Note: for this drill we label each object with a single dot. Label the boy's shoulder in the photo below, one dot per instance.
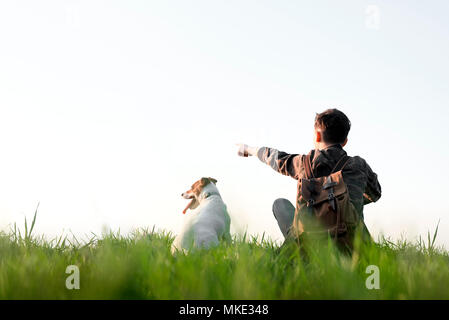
(358, 161)
(331, 156)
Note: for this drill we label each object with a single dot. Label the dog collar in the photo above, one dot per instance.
(208, 194)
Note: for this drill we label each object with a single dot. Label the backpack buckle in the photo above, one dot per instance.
(331, 198)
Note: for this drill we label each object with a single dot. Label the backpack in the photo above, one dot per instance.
(323, 205)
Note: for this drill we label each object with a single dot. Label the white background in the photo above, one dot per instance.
(109, 110)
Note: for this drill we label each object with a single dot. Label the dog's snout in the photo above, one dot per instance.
(187, 195)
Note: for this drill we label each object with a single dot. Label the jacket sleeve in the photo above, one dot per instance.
(282, 162)
(373, 190)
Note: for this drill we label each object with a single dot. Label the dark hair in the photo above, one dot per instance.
(334, 125)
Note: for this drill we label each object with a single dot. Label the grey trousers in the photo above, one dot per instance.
(284, 212)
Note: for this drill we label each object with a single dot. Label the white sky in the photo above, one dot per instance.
(110, 109)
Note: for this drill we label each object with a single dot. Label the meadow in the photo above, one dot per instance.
(140, 265)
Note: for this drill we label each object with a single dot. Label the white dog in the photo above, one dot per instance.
(208, 222)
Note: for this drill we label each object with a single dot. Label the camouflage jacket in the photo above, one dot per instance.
(361, 181)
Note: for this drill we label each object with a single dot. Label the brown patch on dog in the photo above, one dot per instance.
(200, 184)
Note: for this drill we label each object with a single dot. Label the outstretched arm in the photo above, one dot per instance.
(282, 162)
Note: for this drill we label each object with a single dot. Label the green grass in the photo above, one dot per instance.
(140, 266)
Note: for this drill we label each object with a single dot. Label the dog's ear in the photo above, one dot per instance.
(204, 181)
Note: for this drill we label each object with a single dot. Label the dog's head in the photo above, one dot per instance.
(194, 192)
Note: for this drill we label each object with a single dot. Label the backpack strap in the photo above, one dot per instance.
(341, 163)
(308, 167)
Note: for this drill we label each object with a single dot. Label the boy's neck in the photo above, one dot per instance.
(321, 146)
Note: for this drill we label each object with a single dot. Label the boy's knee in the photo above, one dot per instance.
(283, 211)
(279, 205)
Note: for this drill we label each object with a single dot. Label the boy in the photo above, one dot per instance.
(330, 136)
